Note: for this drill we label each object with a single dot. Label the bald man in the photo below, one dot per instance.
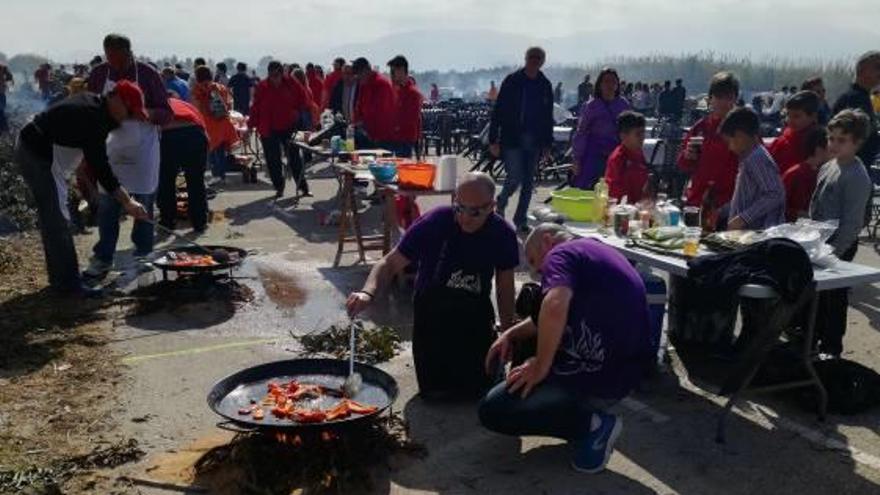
(859, 97)
(593, 343)
(458, 250)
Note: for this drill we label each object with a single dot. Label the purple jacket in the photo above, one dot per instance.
(150, 82)
(596, 138)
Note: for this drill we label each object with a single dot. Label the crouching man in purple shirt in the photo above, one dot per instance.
(592, 345)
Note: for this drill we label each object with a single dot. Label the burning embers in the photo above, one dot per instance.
(296, 440)
(203, 288)
(317, 460)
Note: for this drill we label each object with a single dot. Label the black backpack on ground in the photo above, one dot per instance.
(852, 388)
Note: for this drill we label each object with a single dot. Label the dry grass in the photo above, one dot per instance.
(57, 385)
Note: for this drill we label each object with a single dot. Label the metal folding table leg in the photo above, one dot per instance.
(746, 292)
(808, 357)
(720, 428)
(758, 292)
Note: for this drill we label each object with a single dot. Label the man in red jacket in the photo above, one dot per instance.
(316, 83)
(374, 110)
(802, 116)
(332, 80)
(711, 161)
(275, 114)
(408, 109)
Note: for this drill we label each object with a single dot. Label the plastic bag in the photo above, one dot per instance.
(811, 235)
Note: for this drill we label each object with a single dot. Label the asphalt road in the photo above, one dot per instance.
(667, 446)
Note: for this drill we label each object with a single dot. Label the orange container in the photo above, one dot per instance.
(416, 175)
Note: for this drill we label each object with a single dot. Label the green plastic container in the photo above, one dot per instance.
(577, 204)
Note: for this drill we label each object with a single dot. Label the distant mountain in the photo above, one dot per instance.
(440, 49)
(465, 49)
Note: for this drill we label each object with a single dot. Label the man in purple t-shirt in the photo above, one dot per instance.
(458, 250)
(593, 341)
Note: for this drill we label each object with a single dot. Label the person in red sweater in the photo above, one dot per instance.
(626, 172)
(711, 161)
(315, 83)
(800, 180)
(310, 119)
(279, 101)
(802, 116)
(374, 110)
(184, 147)
(331, 81)
(408, 109)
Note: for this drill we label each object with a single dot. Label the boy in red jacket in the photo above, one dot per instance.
(800, 180)
(802, 112)
(626, 172)
(408, 109)
(704, 153)
(374, 110)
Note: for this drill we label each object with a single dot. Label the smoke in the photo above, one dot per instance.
(23, 101)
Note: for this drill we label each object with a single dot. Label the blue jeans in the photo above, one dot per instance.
(108, 228)
(549, 410)
(521, 165)
(219, 162)
(400, 149)
(4, 124)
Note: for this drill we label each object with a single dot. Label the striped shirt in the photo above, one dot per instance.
(759, 197)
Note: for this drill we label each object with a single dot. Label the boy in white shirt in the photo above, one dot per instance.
(133, 153)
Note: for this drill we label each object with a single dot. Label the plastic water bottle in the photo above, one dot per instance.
(673, 213)
(661, 215)
(335, 145)
(601, 190)
(349, 138)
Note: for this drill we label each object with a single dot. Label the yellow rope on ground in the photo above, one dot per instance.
(196, 350)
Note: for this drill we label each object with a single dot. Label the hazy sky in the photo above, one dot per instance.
(247, 29)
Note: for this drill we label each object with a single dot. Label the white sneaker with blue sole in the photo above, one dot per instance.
(97, 269)
(595, 449)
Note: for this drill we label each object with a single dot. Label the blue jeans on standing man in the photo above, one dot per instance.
(521, 164)
(219, 160)
(109, 211)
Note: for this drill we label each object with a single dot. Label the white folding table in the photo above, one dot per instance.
(840, 276)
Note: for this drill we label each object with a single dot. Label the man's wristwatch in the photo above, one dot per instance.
(366, 293)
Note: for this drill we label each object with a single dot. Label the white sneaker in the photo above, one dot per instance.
(97, 269)
(142, 264)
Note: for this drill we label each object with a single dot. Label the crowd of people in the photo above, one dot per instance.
(649, 99)
(811, 170)
(586, 347)
(170, 121)
(588, 344)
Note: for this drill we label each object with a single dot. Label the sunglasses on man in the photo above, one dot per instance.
(472, 211)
